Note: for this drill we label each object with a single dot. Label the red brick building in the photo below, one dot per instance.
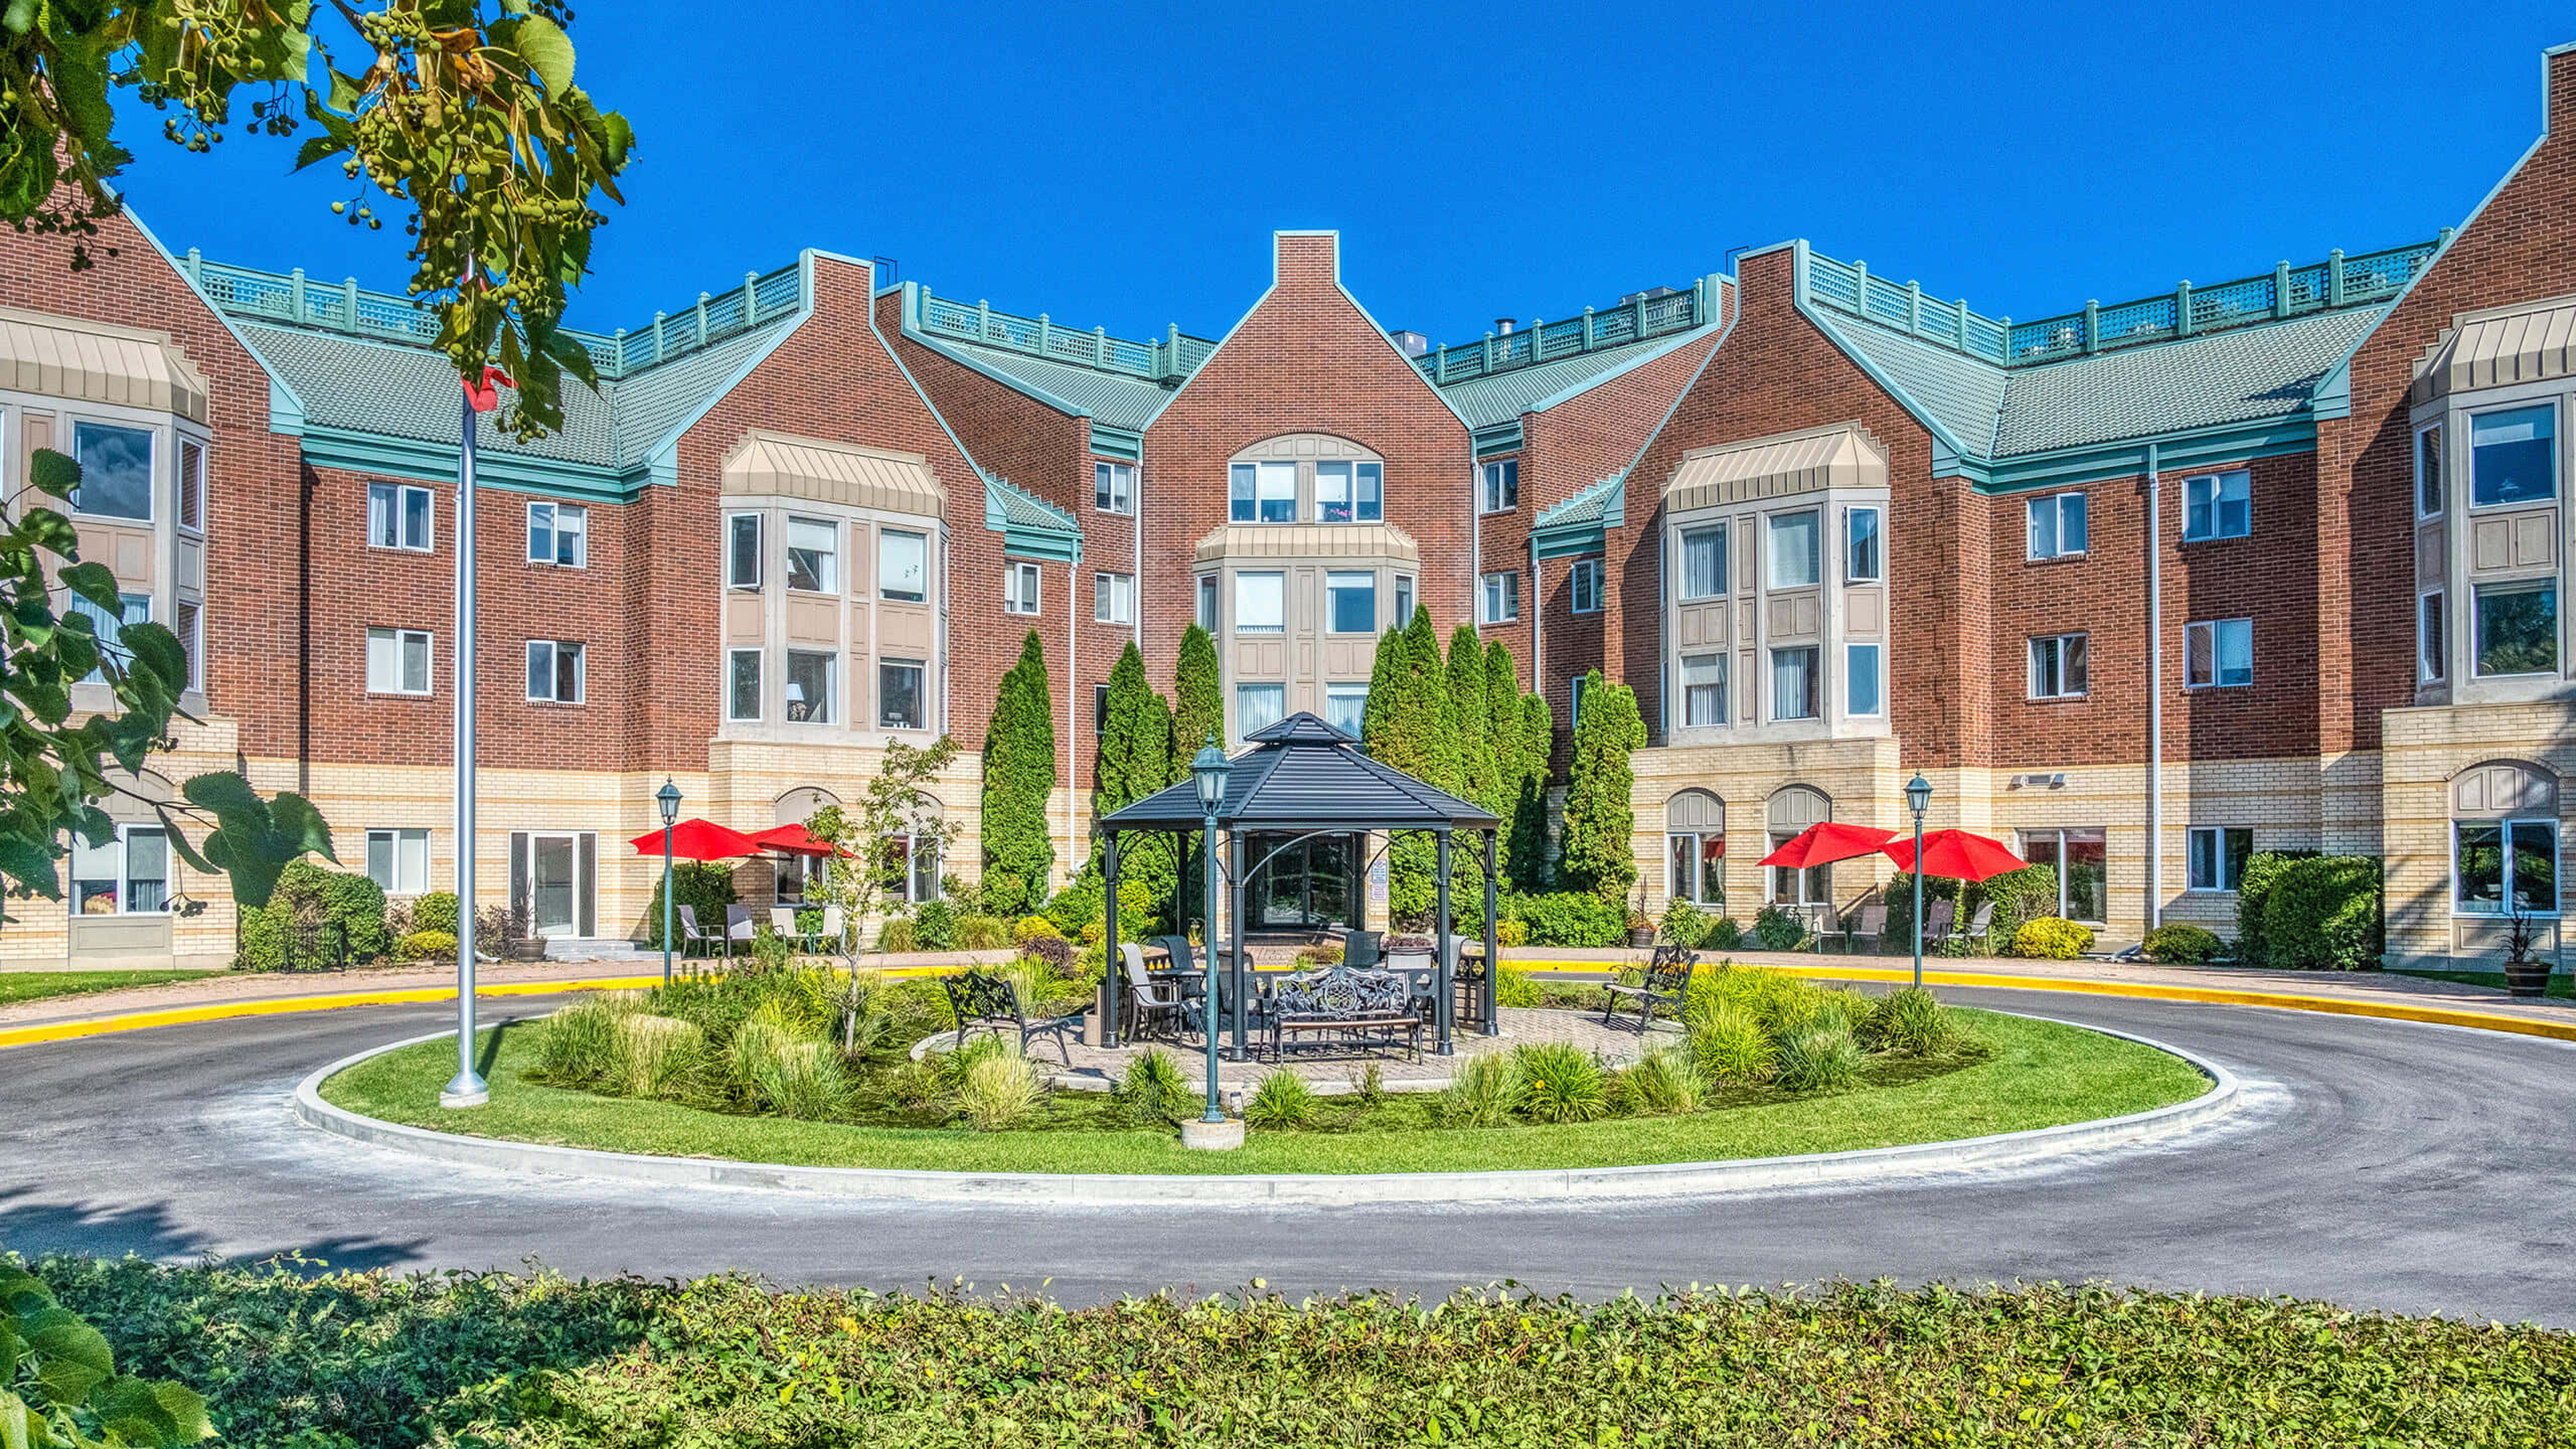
(2122, 583)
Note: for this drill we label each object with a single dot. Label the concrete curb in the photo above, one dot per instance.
(1661, 1180)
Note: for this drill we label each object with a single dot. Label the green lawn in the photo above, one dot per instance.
(17, 986)
(2041, 1075)
(2561, 986)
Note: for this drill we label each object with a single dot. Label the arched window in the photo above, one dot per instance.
(2504, 828)
(1695, 847)
(1793, 809)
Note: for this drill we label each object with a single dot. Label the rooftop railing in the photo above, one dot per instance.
(1595, 329)
(2187, 311)
(344, 306)
(1175, 356)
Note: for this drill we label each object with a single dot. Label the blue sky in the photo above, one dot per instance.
(1123, 165)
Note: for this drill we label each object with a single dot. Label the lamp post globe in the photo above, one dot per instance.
(1918, 798)
(1208, 770)
(668, 797)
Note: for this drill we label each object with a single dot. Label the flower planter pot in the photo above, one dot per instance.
(2526, 978)
(1641, 936)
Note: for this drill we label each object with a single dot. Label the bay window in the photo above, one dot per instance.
(116, 471)
(814, 555)
(1704, 562)
(899, 694)
(1344, 492)
(1260, 603)
(742, 551)
(2432, 638)
(1703, 689)
(1345, 705)
(2517, 628)
(811, 679)
(1861, 680)
(742, 684)
(1796, 551)
(2513, 455)
(1350, 603)
(1261, 493)
(2429, 498)
(1258, 706)
(903, 566)
(1794, 692)
(1864, 546)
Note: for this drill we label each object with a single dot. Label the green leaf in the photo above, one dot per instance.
(317, 148)
(221, 792)
(54, 473)
(301, 826)
(20, 1428)
(547, 50)
(71, 1357)
(95, 582)
(29, 864)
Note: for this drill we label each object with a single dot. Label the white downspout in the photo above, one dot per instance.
(1072, 707)
(2155, 693)
(1538, 631)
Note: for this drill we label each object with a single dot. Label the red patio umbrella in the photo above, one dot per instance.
(698, 840)
(1956, 855)
(795, 839)
(1825, 843)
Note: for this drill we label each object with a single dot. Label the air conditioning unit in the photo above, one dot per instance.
(2043, 780)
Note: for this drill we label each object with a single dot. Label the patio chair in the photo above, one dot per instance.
(1361, 949)
(1937, 918)
(1871, 923)
(1980, 923)
(829, 936)
(782, 919)
(1148, 999)
(740, 925)
(694, 937)
(1178, 949)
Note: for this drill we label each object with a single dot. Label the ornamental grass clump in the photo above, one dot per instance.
(997, 1091)
(1282, 1100)
(1561, 1082)
(1152, 1090)
(1483, 1092)
(657, 1056)
(1909, 1021)
(579, 1046)
(1825, 1059)
(1730, 1046)
(777, 1069)
(1665, 1082)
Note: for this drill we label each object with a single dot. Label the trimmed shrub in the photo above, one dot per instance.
(426, 946)
(898, 936)
(982, 933)
(1569, 918)
(1515, 988)
(1323, 953)
(1665, 1082)
(1054, 952)
(705, 888)
(1599, 819)
(1908, 1021)
(1511, 933)
(1153, 1090)
(657, 1056)
(1686, 925)
(1282, 1100)
(2019, 897)
(934, 927)
(1729, 1045)
(1561, 1082)
(1777, 930)
(997, 1091)
(1019, 778)
(2180, 944)
(1483, 1091)
(2051, 938)
(1724, 934)
(1028, 928)
(1823, 1060)
(315, 920)
(2262, 871)
(436, 911)
(2323, 914)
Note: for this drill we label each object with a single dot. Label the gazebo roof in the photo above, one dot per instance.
(1304, 774)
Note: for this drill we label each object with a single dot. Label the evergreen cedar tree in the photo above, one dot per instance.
(1528, 834)
(1198, 700)
(1472, 737)
(1598, 817)
(1019, 779)
(1135, 760)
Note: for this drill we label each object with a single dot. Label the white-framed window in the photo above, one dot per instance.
(1499, 486)
(1260, 603)
(1583, 585)
(1704, 562)
(2217, 505)
(1348, 492)
(1113, 598)
(2429, 496)
(2054, 526)
(1258, 706)
(109, 629)
(189, 623)
(1402, 614)
(742, 550)
(2517, 627)
(913, 867)
(1113, 487)
(742, 684)
(1350, 603)
(127, 875)
(903, 566)
(2081, 858)
(1704, 689)
(192, 484)
(2513, 455)
(1864, 546)
(2057, 666)
(559, 534)
(397, 661)
(1344, 705)
(399, 516)
(116, 471)
(1797, 550)
(554, 671)
(1861, 692)
(813, 686)
(2217, 856)
(2487, 853)
(1208, 603)
(813, 555)
(1261, 493)
(398, 861)
(2218, 654)
(899, 694)
(2432, 638)
(1574, 702)
(1020, 588)
(1794, 681)
(1499, 601)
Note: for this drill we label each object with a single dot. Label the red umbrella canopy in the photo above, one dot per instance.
(1957, 855)
(795, 839)
(699, 840)
(1825, 843)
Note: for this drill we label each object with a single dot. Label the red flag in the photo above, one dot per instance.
(485, 395)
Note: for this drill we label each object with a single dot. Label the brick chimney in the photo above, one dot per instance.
(1305, 258)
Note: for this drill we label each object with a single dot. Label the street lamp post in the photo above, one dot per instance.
(1208, 770)
(1918, 797)
(467, 1088)
(668, 797)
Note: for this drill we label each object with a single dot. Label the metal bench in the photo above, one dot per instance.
(1667, 978)
(993, 1003)
(1340, 1003)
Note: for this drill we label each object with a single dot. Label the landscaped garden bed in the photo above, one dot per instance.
(796, 1067)
(336, 1360)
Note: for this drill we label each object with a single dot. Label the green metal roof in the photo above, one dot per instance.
(1030, 526)
(1119, 400)
(1961, 393)
(2227, 377)
(1486, 401)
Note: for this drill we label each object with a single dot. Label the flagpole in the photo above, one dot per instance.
(468, 1089)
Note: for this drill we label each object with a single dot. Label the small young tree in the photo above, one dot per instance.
(1529, 871)
(1198, 700)
(1599, 820)
(1019, 780)
(867, 872)
(1503, 734)
(1472, 775)
(1408, 724)
(1135, 760)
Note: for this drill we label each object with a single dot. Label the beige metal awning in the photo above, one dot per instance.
(85, 361)
(1841, 456)
(768, 463)
(2528, 342)
(1357, 542)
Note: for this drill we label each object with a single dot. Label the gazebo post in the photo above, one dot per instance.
(1358, 847)
(1109, 971)
(1234, 916)
(1444, 954)
(1493, 950)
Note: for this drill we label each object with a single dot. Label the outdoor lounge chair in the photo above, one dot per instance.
(740, 925)
(1870, 923)
(1937, 918)
(1150, 1000)
(1361, 949)
(692, 935)
(1980, 923)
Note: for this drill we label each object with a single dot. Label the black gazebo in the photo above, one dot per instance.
(1307, 779)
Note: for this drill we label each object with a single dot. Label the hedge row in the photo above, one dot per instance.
(374, 1359)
